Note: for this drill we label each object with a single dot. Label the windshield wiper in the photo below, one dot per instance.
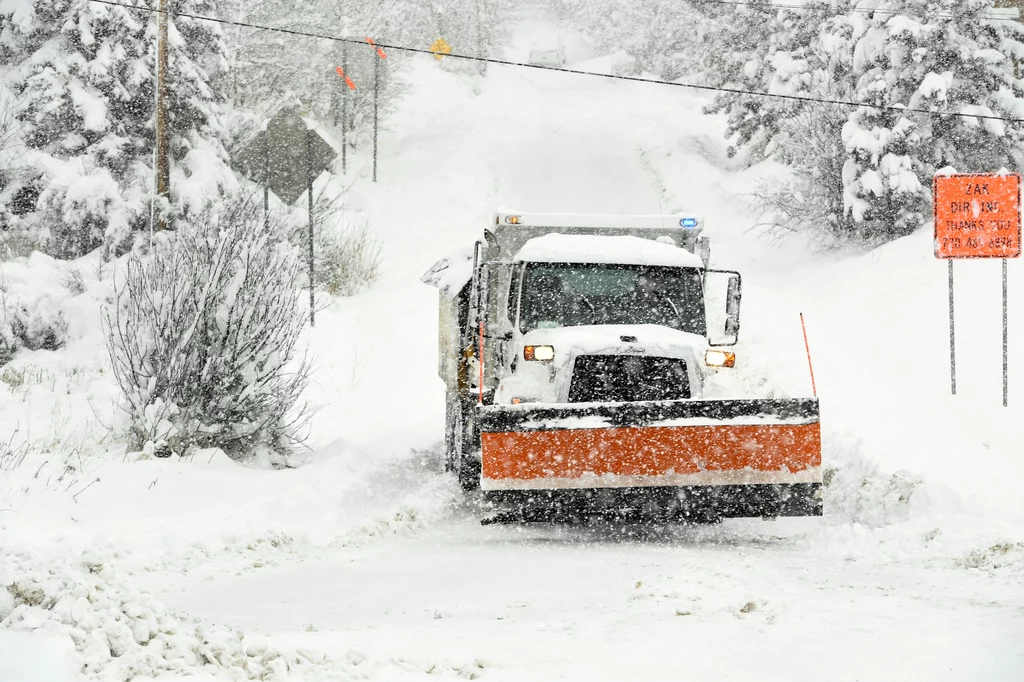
(668, 300)
(593, 310)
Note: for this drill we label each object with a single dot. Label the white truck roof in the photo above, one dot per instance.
(653, 222)
(580, 248)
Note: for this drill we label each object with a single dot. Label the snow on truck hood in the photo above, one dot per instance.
(578, 248)
(651, 339)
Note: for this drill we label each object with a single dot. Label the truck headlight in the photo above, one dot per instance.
(719, 358)
(541, 353)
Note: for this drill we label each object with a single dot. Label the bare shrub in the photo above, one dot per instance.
(347, 259)
(812, 201)
(13, 453)
(74, 281)
(203, 337)
(346, 254)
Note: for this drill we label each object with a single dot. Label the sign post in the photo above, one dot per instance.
(344, 111)
(952, 334)
(1006, 355)
(376, 98)
(977, 216)
(310, 175)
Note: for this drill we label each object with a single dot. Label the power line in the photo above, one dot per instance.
(559, 69)
(768, 5)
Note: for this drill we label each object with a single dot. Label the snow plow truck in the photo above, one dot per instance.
(579, 366)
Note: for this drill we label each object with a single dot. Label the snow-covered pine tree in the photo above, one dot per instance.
(83, 75)
(659, 37)
(809, 141)
(762, 48)
(936, 55)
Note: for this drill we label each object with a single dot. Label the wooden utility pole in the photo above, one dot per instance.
(162, 171)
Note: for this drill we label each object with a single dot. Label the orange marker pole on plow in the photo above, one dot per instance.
(807, 347)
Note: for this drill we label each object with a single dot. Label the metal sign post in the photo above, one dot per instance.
(344, 114)
(977, 216)
(344, 109)
(1006, 356)
(309, 192)
(266, 178)
(952, 334)
(376, 99)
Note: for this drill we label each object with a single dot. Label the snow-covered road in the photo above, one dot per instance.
(612, 603)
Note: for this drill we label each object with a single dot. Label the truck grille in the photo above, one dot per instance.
(627, 378)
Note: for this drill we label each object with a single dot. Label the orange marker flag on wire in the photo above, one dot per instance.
(348, 81)
(380, 52)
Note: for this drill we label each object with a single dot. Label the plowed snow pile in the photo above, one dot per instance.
(123, 634)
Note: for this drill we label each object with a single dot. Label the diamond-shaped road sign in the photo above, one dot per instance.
(287, 156)
(440, 48)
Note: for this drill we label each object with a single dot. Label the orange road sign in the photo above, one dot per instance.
(977, 216)
(348, 81)
(440, 48)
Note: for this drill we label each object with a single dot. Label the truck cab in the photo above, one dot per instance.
(604, 319)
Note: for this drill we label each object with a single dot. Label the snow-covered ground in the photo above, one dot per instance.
(368, 563)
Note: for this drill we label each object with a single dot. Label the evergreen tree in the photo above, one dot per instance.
(762, 48)
(936, 55)
(661, 38)
(84, 77)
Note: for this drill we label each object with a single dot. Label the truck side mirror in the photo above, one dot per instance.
(723, 291)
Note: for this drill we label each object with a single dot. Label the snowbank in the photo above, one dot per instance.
(82, 610)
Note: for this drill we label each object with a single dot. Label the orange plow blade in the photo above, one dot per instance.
(732, 445)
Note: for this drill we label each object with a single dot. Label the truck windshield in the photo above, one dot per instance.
(571, 295)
